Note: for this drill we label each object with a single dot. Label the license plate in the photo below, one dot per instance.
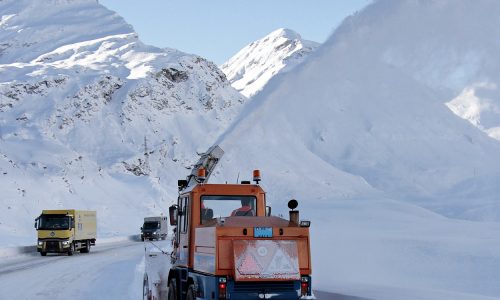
(263, 232)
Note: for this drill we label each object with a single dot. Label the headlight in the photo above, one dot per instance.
(155, 233)
(40, 243)
(65, 243)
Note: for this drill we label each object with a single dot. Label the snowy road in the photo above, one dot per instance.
(109, 271)
(333, 296)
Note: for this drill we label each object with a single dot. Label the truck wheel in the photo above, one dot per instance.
(191, 295)
(142, 238)
(71, 249)
(87, 247)
(172, 290)
(43, 253)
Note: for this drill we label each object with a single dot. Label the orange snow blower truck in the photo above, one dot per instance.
(228, 246)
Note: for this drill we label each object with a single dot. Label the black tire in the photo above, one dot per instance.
(87, 247)
(43, 253)
(142, 238)
(71, 249)
(191, 295)
(172, 290)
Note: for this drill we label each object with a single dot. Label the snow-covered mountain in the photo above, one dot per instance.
(86, 109)
(401, 192)
(458, 57)
(254, 65)
(374, 101)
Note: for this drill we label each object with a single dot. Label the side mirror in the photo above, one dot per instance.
(182, 184)
(141, 228)
(172, 212)
(268, 211)
(35, 225)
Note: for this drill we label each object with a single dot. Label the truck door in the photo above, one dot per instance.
(183, 227)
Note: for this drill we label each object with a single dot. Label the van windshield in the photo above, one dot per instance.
(151, 225)
(54, 222)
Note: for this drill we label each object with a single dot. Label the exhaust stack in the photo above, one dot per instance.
(294, 214)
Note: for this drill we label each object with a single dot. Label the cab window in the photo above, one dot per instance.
(226, 206)
(183, 220)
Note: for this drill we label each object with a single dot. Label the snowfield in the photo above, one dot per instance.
(109, 271)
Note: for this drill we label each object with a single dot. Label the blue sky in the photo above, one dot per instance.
(218, 29)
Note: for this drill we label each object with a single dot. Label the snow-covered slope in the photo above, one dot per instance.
(365, 104)
(254, 65)
(362, 136)
(30, 29)
(458, 57)
(86, 110)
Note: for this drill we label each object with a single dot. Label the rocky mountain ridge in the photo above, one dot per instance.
(85, 105)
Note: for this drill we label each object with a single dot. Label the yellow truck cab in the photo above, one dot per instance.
(66, 231)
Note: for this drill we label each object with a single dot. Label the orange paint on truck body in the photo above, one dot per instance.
(212, 241)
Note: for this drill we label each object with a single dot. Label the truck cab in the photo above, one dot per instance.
(154, 228)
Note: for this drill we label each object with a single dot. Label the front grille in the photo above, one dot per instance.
(52, 245)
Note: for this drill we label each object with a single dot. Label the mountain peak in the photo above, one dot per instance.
(253, 66)
(286, 33)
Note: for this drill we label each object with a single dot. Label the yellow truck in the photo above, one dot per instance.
(66, 231)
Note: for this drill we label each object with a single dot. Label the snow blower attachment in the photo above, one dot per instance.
(228, 246)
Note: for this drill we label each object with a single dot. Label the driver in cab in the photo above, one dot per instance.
(244, 210)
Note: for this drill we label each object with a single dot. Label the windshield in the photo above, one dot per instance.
(54, 222)
(151, 225)
(226, 206)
